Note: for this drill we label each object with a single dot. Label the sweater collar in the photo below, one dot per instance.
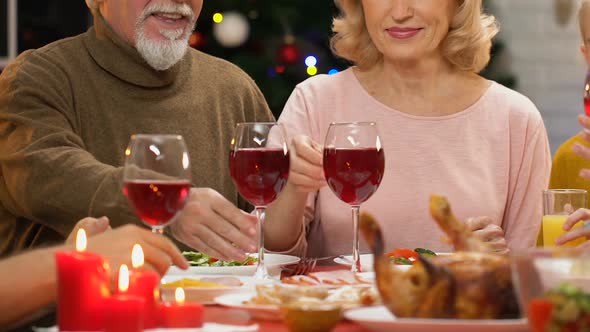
(122, 60)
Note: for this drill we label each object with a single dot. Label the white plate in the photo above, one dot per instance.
(273, 264)
(379, 319)
(206, 295)
(366, 262)
(366, 275)
(259, 311)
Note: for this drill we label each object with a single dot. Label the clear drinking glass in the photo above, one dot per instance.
(587, 94)
(353, 166)
(558, 204)
(156, 178)
(259, 170)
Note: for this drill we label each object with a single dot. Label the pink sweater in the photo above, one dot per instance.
(491, 159)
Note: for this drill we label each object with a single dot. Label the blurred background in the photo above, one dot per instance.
(281, 43)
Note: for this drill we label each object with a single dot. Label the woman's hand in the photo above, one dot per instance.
(306, 172)
(490, 233)
(92, 226)
(116, 245)
(578, 216)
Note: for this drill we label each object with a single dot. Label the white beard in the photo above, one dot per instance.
(159, 54)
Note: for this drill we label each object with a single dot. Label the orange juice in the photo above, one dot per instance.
(540, 236)
(553, 228)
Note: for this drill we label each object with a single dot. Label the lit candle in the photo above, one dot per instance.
(144, 284)
(181, 314)
(125, 312)
(82, 288)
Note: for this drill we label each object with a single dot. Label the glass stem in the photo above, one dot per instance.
(158, 230)
(261, 272)
(356, 263)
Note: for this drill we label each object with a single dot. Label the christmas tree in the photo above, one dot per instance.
(271, 40)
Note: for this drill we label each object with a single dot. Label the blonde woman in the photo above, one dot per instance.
(445, 129)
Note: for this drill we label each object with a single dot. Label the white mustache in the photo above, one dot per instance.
(168, 8)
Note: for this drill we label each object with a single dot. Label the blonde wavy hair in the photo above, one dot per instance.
(466, 46)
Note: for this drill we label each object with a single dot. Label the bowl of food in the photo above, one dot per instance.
(310, 317)
(553, 288)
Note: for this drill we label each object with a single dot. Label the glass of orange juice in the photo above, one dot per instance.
(558, 204)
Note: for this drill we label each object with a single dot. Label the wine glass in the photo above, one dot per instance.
(353, 166)
(587, 94)
(156, 178)
(259, 167)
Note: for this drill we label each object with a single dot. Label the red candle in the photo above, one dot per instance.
(145, 284)
(181, 314)
(125, 312)
(82, 288)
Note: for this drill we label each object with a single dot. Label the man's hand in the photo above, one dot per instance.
(213, 225)
(488, 232)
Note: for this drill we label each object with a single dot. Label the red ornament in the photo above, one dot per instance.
(288, 54)
(197, 40)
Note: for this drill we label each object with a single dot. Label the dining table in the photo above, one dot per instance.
(222, 315)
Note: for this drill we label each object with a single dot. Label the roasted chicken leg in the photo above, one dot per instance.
(468, 284)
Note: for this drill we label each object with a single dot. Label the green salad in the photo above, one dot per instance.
(563, 309)
(196, 258)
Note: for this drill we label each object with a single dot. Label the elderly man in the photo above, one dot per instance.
(67, 111)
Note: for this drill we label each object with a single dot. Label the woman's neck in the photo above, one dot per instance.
(427, 88)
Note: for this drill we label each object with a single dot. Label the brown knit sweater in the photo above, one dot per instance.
(67, 111)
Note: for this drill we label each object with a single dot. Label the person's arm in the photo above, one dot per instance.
(285, 216)
(210, 222)
(28, 281)
(580, 149)
(560, 173)
(530, 176)
(294, 208)
(47, 174)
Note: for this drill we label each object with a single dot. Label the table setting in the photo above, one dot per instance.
(400, 290)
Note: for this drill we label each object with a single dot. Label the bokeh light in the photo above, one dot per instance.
(311, 61)
(217, 17)
(312, 70)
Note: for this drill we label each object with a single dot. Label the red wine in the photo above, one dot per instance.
(259, 174)
(156, 202)
(354, 174)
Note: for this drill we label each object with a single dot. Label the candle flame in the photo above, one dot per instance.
(179, 295)
(137, 258)
(81, 240)
(123, 278)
